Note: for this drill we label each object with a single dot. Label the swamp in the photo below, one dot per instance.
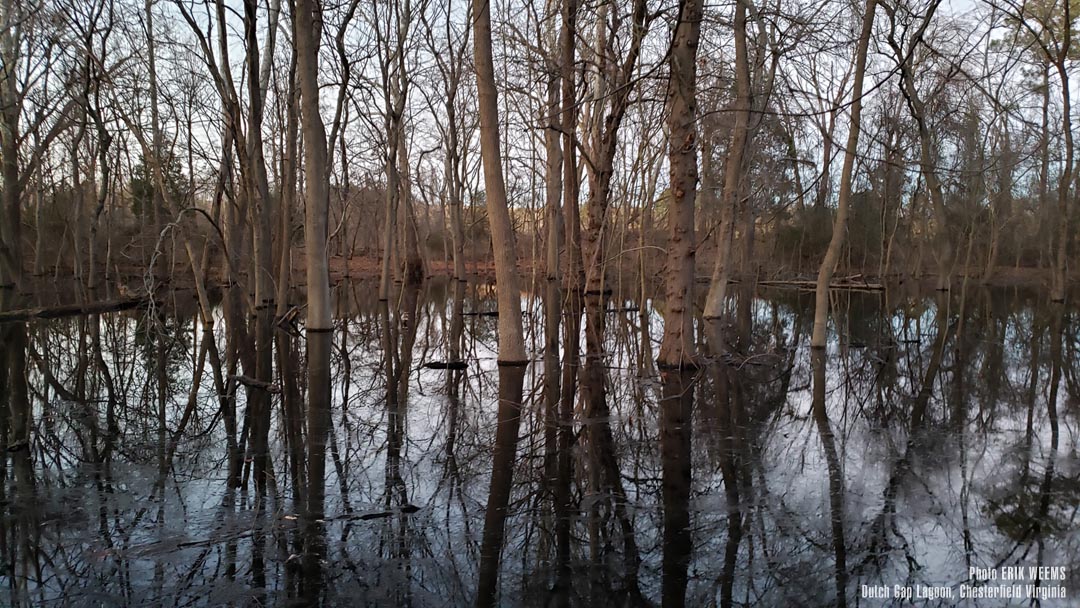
(546, 303)
(933, 433)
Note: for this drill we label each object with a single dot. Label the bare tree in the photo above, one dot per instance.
(512, 357)
(678, 347)
(927, 161)
(832, 256)
(714, 302)
(451, 65)
(392, 39)
(307, 27)
(27, 52)
(511, 337)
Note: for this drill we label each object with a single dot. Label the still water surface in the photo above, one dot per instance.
(936, 434)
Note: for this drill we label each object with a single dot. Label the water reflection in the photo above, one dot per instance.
(511, 382)
(161, 458)
(835, 473)
(676, 413)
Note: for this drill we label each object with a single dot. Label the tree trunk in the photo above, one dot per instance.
(552, 297)
(552, 175)
(290, 148)
(414, 262)
(317, 206)
(1059, 283)
(453, 178)
(1002, 208)
(455, 188)
(511, 387)
(571, 210)
(319, 320)
(390, 220)
(714, 302)
(103, 143)
(257, 181)
(511, 337)
(39, 220)
(933, 185)
(676, 426)
(157, 195)
(677, 349)
(10, 195)
(828, 444)
(564, 507)
(512, 355)
(832, 255)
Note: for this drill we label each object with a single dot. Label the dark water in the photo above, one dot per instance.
(936, 434)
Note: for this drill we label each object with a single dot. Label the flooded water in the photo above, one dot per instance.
(930, 448)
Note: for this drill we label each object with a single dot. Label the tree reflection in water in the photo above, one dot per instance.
(933, 434)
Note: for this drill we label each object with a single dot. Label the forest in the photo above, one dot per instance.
(168, 140)
(536, 302)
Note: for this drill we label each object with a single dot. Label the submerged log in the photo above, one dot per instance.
(446, 365)
(482, 313)
(67, 310)
(848, 284)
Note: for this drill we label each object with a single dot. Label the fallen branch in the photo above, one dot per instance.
(842, 284)
(67, 310)
(446, 365)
